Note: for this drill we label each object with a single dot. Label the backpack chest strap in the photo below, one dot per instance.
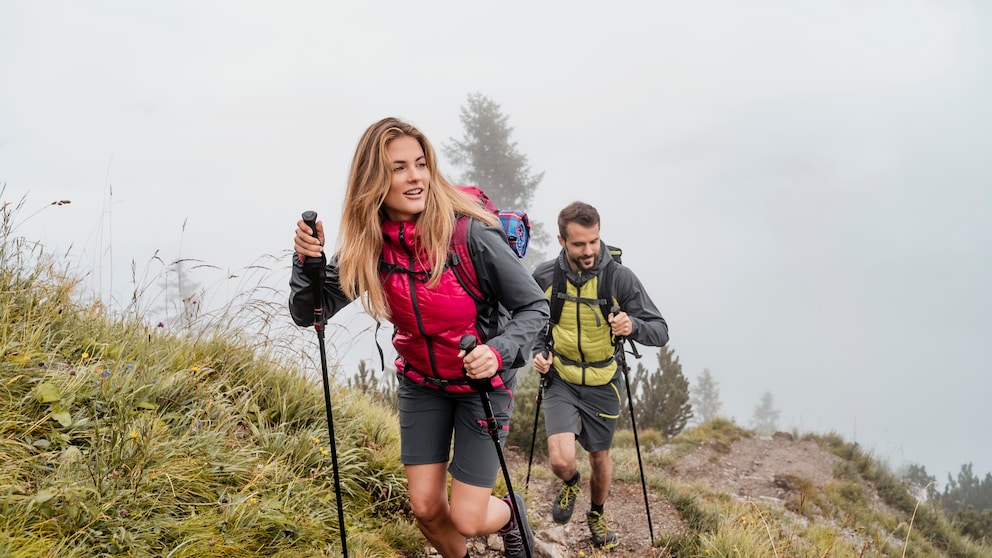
(593, 303)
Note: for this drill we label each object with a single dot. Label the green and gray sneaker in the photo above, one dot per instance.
(602, 536)
(561, 510)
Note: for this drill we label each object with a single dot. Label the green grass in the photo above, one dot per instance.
(119, 438)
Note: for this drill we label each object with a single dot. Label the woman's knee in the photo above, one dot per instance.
(469, 525)
(428, 508)
(471, 508)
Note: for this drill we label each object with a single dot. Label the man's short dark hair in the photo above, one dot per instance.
(577, 212)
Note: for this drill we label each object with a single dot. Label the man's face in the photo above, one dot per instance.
(581, 246)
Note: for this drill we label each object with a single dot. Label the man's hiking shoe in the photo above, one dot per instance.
(564, 505)
(513, 543)
(602, 536)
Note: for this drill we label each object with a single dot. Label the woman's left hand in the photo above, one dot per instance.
(480, 363)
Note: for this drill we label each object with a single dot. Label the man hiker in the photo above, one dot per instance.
(583, 394)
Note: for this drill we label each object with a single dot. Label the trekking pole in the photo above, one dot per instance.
(315, 269)
(633, 424)
(467, 343)
(537, 412)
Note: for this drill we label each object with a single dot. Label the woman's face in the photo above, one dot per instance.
(407, 194)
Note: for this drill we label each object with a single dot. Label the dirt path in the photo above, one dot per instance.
(751, 467)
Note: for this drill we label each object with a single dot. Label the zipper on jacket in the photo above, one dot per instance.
(578, 326)
(411, 260)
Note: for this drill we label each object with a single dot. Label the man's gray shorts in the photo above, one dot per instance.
(429, 417)
(589, 412)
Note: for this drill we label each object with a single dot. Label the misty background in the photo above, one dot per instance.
(804, 188)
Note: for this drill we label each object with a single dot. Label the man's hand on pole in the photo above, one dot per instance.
(621, 324)
(542, 362)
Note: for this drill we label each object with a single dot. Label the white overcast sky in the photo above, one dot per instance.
(804, 187)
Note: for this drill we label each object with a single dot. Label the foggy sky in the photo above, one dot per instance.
(803, 187)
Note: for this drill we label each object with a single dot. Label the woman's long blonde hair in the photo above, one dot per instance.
(360, 241)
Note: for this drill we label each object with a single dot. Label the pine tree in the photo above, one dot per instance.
(968, 490)
(969, 501)
(705, 398)
(490, 160)
(489, 157)
(661, 398)
(765, 417)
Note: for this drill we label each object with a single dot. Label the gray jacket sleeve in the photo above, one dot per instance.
(301, 305)
(503, 277)
(649, 326)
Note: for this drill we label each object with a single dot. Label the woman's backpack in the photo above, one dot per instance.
(516, 229)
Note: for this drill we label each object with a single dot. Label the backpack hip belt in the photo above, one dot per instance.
(453, 384)
(598, 364)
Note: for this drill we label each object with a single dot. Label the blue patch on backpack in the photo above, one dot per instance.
(515, 222)
(516, 225)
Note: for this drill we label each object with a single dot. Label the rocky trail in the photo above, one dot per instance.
(748, 468)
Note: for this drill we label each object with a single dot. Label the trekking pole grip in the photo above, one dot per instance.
(310, 218)
(546, 377)
(468, 343)
(311, 264)
(615, 309)
(314, 268)
(621, 350)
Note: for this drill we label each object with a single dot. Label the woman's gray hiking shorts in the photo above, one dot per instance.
(429, 417)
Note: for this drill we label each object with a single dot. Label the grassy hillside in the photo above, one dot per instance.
(118, 438)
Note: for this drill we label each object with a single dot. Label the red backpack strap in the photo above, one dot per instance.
(461, 261)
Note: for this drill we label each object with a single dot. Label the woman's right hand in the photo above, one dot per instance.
(305, 244)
